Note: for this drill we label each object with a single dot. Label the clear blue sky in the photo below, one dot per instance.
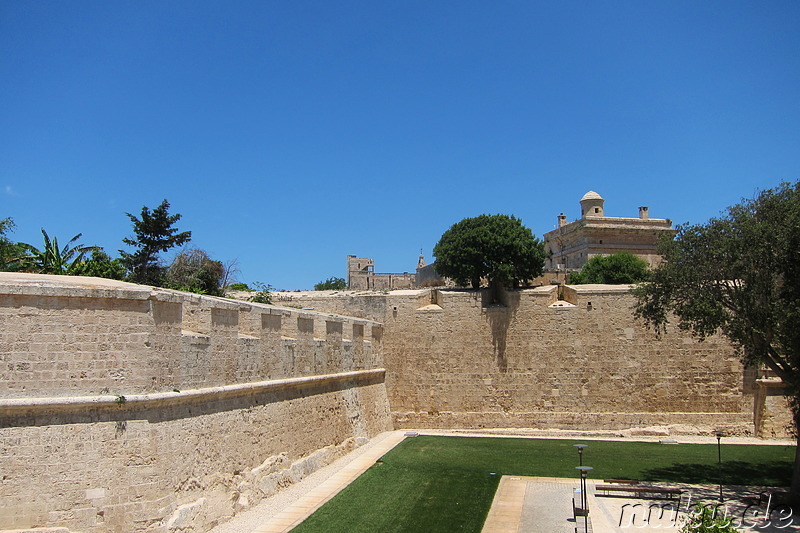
(290, 134)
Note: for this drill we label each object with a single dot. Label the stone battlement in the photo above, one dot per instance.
(127, 408)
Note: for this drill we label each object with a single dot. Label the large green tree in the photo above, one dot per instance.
(154, 233)
(614, 269)
(739, 275)
(496, 247)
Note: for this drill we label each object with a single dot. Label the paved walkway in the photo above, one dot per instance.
(535, 504)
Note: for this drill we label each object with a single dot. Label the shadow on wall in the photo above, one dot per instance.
(499, 306)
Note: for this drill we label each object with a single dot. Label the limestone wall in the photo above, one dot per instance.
(536, 362)
(538, 359)
(124, 408)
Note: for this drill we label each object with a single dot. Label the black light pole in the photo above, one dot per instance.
(719, 434)
(580, 451)
(584, 496)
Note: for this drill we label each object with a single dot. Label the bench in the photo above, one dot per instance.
(622, 481)
(777, 496)
(666, 492)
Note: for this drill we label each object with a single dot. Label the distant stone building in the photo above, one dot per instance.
(361, 276)
(427, 275)
(571, 245)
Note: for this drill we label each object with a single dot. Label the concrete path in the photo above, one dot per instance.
(532, 504)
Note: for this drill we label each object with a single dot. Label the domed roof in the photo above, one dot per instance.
(591, 195)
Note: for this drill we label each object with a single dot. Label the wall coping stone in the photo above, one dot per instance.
(54, 286)
(11, 406)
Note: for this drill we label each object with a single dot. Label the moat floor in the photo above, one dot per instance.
(521, 504)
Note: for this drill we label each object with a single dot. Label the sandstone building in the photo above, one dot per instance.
(571, 245)
(361, 276)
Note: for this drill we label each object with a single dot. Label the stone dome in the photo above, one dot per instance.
(592, 205)
(591, 195)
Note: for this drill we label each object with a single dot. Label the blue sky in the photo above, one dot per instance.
(290, 134)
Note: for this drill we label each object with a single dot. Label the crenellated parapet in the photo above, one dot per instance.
(65, 336)
(129, 408)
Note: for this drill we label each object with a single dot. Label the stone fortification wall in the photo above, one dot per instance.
(125, 408)
(579, 363)
(541, 359)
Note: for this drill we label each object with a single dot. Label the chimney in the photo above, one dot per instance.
(643, 213)
(562, 220)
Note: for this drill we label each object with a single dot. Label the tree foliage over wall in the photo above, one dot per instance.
(738, 274)
(10, 251)
(193, 271)
(496, 247)
(53, 259)
(154, 233)
(614, 269)
(100, 265)
(331, 284)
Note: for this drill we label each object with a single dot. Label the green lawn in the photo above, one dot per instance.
(447, 483)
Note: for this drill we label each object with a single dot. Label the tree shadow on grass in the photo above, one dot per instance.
(770, 474)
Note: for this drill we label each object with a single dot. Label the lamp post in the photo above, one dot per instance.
(584, 498)
(719, 434)
(580, 448)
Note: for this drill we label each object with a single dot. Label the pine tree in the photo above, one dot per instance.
(154, 233)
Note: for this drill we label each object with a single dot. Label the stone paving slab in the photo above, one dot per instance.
(535, 504)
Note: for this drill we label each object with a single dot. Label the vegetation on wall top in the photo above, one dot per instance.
(498, 248)
(614, 269)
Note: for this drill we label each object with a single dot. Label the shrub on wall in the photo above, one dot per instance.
(614, 269)
(331, 284)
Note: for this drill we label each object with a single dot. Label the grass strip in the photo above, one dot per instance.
(442, 484)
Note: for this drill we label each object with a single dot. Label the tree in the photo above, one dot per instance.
(739, 275)
(51, 259)
(154, 233)
(193, 271)
(614, 269)
(100, 265)
(10, 252)
(496, 247)
(331, 284)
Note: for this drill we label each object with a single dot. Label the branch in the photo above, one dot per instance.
(774, 362)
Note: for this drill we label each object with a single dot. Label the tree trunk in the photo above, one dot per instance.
(794, 491)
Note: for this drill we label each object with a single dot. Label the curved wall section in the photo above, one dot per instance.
(127, 408)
